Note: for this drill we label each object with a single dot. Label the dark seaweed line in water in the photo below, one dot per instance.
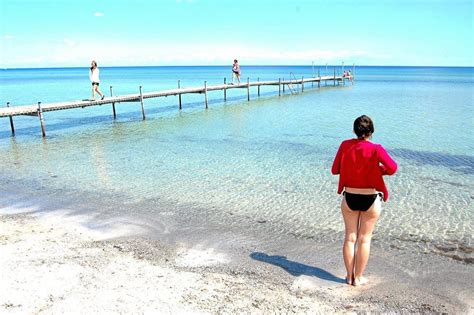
(467, 260)
(458, 163)
(455, 249)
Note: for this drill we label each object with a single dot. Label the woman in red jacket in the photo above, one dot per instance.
(361, 165)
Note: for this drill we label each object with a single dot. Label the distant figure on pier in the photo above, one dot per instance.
(347, 74)
(361, 165)
(94, 77)
(235, 71)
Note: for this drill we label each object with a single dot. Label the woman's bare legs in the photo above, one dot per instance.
(366, 228)
(351, 222)
(359, 227)
(99, 92)
(95, 88)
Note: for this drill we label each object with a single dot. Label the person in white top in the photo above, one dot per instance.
(235, 71)
(94, 77)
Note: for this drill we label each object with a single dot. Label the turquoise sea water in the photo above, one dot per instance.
(267, 160)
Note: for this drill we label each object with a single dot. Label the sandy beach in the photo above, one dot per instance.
(53, 263)
(51, 267)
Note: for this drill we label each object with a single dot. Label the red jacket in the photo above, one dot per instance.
(361, 164)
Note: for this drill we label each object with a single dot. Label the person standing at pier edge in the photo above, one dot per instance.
(94, 77)
(361, 165)
(235, 71)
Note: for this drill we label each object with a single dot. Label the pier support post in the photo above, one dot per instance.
(225, 89)
(302, 84)
(284, 85)
(334, 76)
(342, 75)
(248, 89)
(40, 115)
(279, 87)
(353, 73)
(11, 121)
(113, 103)
(205, 93)
(326, 74)
(319, 75)
(258, 80)
(179, 96)
(141, 102)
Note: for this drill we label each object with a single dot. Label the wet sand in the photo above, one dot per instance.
(54, 262)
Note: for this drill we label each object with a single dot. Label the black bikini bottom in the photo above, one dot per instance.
(357, 202)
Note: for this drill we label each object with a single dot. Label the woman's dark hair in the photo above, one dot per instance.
(363, 126)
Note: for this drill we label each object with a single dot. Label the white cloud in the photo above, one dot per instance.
(68, 52)
(7, 36)
(99, 14)
(69, 42)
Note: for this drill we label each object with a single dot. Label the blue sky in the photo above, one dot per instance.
(58, 33)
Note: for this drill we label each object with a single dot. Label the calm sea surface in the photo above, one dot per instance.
(267, 160)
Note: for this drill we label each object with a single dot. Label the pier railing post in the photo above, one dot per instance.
(40, 115)
(205, 93)
(248, 89)
(179, 95)
(11, 121)
(225, 89)
(279, 86)
(258, 80)
(141, 102)
(113, 103)
(302, 84)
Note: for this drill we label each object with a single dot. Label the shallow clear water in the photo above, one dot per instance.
(268, 159)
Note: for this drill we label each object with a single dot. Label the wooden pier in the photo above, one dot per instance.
(39, 108)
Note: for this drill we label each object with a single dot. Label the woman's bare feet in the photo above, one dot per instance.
(349, 280)
(360, 281)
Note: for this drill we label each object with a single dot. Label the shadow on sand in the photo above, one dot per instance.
(295, 268)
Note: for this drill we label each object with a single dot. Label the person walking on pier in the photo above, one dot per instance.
(361, 166)
(235, 71)
(94, 77)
